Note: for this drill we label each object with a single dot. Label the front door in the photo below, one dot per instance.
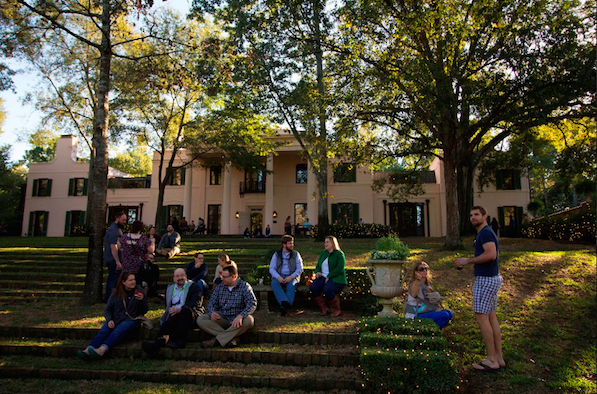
(214, 214)
(408, 218)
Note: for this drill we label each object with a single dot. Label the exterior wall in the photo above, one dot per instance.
(373, 207)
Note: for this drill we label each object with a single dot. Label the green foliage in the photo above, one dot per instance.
(535, 206)
(355, 230)
(12, 179)
(390, 248)
(579, 227)
(136, 162)
(44, 146)
(405, 356)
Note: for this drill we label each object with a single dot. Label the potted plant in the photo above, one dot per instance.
(386, 269)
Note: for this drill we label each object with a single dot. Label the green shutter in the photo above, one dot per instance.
(353, 173)
(334, 212)
(31, 222)
(164, 219)
(517, 181)
(519, 213)
(498, 180)
(45, 229)
(34, 191)
(355, 213)
(71, 186)
(501, 219)
(82, 218)
(49, 192)
(181, 210)
(183, 173)
(67, 223)
(85, 182)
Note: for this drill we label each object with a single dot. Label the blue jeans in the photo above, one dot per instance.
(112, 279)
(284, 295)
(111, 336)
(329, 288)
(441, 318)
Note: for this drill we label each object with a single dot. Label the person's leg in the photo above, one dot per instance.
(330, 289)
(230, 333)
(317, 286)
(488, 338)
(101, 336)
(279, 291)
(441, 318)
(169, 327)
(212, 327)
(111, 280)
(497, 338)
(118, 333)
(291, 290)
(185, 323)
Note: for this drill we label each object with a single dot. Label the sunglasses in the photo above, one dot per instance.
(421, 269)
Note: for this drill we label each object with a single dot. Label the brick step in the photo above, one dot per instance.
(297, 355)
(177, 372)
(195, 336)
(40, 285)
(27, 293)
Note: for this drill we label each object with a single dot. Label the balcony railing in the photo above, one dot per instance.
(252, 187)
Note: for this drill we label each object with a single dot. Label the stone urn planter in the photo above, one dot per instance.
(387, 272)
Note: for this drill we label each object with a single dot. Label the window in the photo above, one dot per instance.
(73, 220)
(345, 213)
(77, 187)
(345, 173)
(42, 188)
(178, 177)
(301, 173)
(38, 223)
(508, 180)
(300, 214)
(254, 182)
(215, 175)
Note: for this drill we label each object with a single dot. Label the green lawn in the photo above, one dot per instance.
(547, 305)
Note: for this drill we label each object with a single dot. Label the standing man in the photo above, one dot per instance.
(485, 290)
(285, 268)
(112, 252)
(229, 311)
(178, 318)
(169, 243)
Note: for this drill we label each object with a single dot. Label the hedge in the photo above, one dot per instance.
(405, 356)
(579, 227)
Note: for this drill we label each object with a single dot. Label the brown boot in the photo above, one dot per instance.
(335, 303)
(321, 302)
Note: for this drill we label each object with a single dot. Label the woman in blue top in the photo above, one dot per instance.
(330, 276)
(125, 304)
(416, 303)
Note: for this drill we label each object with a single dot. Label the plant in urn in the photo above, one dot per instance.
(387, 271)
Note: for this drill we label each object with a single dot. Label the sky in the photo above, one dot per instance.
(22, 119)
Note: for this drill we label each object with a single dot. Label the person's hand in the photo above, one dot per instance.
(173, 311)
(461, 262)
(237, 322)
(281, 280)
(288, 279)
(118, 266)
(111, 324)
(215, 316)
(318, 275)
(139, 295)
(326, 280)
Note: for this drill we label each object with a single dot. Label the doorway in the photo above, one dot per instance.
(409, 218)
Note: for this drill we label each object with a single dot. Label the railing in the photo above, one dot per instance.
(252, 187)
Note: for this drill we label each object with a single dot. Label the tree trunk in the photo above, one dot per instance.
(92, 292)
(453, 240)
(465, 190)
(323, 223)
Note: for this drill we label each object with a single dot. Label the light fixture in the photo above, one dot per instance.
(275, 214)
(237, 215)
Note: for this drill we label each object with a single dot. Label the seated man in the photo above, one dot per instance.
(192, 227)
(150, 275)
(229, 310)
(197, 271)
(178, 318)
(184, 225)
(285, 268)
(169, 243)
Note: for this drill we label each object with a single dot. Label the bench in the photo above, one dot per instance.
(262, 292)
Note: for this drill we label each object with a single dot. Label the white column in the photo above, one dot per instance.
(188, 189)
(226, 205)
(311, 195)
(269, 194)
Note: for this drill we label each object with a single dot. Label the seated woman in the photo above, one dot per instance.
(417, 304)
(125, 304)
(330, 277)
(197, 271)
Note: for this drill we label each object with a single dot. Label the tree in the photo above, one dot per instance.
(285, 71)
(12, 180)
(65, 15)
(44, 147)
(171, 102)
(135, 161)
(455, 79)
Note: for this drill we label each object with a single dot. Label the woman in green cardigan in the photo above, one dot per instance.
(330, 276)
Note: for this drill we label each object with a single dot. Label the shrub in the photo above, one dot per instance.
(405, 356)
(357, 230)
(390, 248)
(579, 227)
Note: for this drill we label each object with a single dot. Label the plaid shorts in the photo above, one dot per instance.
(485, 291)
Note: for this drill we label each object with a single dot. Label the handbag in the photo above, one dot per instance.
(147, 324)
(310, 279)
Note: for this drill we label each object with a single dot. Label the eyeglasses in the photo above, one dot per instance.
(421, 269)
(227, 276)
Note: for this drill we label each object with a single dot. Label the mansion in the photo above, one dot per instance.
(230, 200)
